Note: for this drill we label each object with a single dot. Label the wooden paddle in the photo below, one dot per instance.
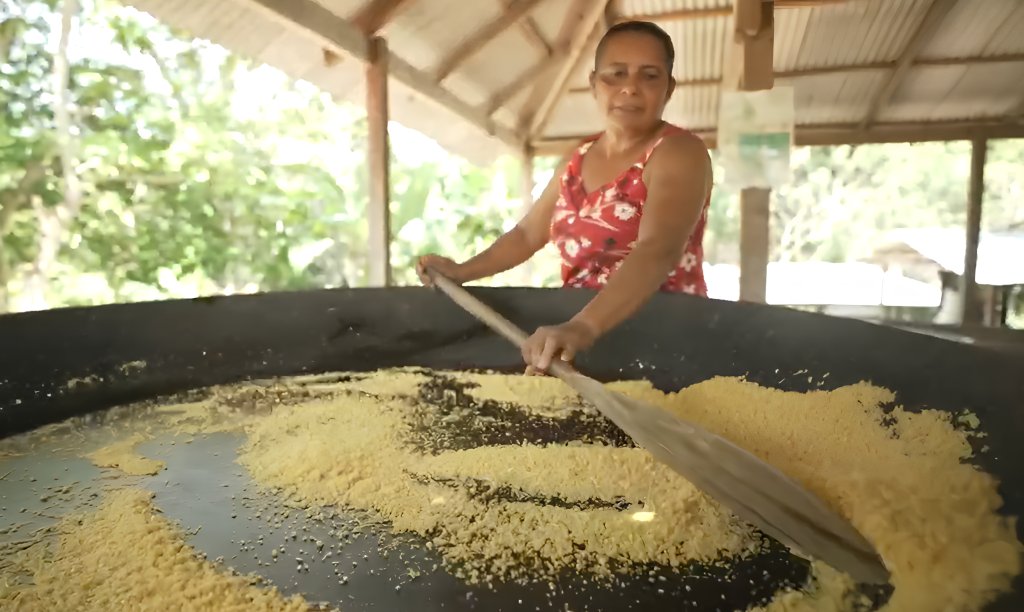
(752, 489)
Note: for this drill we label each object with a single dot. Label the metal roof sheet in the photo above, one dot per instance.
(849, 34)
(836, 98)
(943, 93)
(979, 28)
(837, 57)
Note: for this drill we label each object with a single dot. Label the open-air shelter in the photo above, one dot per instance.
(487, 77)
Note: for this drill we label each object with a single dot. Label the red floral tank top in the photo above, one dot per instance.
(595, 231)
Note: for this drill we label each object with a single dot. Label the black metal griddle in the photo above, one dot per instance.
(189, 344)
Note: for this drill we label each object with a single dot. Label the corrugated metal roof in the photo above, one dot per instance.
(694, 107)
(660, 7)
(506, 57)
(846, 52)
(837, 98)
(442, 25)
(850, 34)
(549, 17)
(576, 114)
(700, 47)
(345, 8)
(979, 28)
(943, 93)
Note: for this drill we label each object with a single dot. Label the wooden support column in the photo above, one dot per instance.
(972, 311)
(755, 207)
(526, 185)
(379, 157)
(749, 68)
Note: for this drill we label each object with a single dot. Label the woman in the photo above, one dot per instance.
(629, 210)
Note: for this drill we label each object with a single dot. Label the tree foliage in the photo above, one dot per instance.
(185, 178)
(844, 200)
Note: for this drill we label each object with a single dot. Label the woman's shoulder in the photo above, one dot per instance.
(678, 134)
(678, 144)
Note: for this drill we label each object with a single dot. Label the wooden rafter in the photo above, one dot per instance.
(933, 19)
(680, 15)
(613, 13)
(843, 134)
(874, 67)
(547, 110)
(472, 45)
(562, 44)
(337, 34)
(587, 34)
(528, 77)
(956, 61)
(795, 74)
(531, 32)
(804, 3)
(378, 13)
(679, 85)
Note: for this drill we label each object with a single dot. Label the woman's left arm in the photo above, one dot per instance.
(678, 178)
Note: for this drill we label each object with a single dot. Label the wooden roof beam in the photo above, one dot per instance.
(339, 35)
(874, 67)
(748, 56)
(587, 33)
(562, 44)
(531, 32)
(956, 61)
(933, 19)
(378, 13)
(472, 45)
(680, 15)
(808, 72)
(679, 85)
(613, 13)
(528, 77)
(843, 134)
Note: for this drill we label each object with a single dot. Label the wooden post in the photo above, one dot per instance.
(526, 185)
(379, 157)
(754, 231)
(749, 68)
(972, 312)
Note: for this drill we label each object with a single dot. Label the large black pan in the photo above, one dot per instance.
(189, 344)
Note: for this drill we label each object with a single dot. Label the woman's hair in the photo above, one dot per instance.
(639, 27)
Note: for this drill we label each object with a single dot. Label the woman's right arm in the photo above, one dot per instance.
(511, 249)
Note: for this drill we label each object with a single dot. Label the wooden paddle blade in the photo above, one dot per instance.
(749, 487)
(753, 490)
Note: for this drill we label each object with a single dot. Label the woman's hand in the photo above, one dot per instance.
(442, 265)
(560, 341)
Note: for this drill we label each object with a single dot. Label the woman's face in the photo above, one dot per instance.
(631, 84)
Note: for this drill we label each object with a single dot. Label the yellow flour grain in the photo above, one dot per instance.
(933, 519)
(897, 476)
(900, 482)
(540, 393)
(125, 557)
(123, 456)
(350, 451)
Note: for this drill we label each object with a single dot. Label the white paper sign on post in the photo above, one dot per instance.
(755, 134)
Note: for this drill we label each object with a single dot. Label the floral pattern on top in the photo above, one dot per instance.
(595, 231)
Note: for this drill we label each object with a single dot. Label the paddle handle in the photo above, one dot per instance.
(492, 319)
